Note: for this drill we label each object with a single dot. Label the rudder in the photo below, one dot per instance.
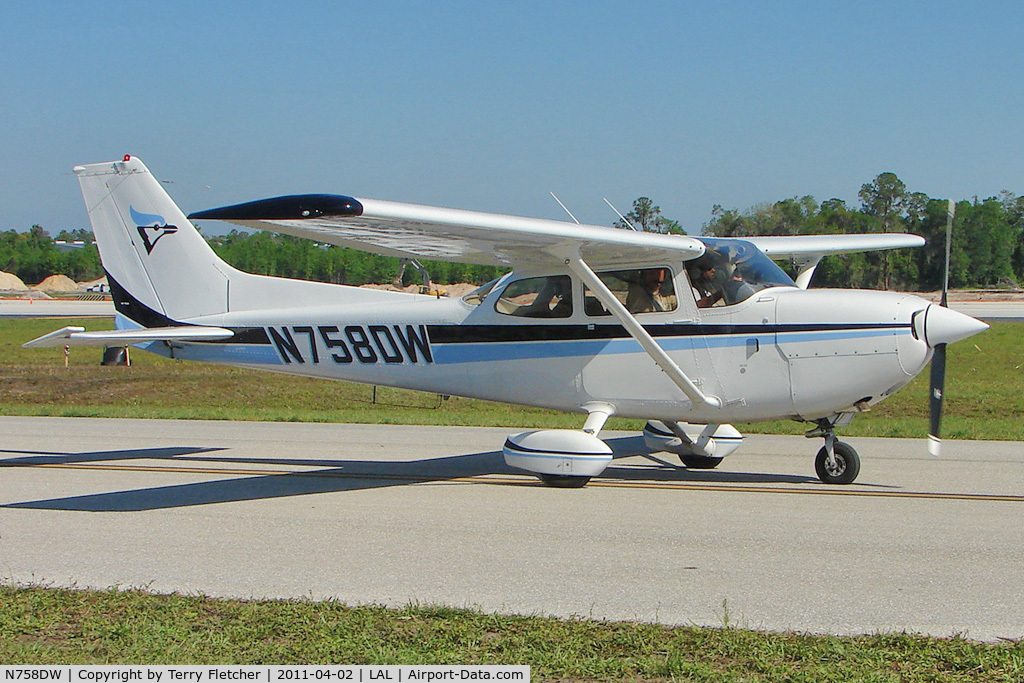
(147, 245)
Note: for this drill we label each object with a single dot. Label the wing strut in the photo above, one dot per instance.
(637, 331)
(805, 264)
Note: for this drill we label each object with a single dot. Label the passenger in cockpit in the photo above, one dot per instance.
(646, 296)
(711, 288)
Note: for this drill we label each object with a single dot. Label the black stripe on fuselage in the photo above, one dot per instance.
(133, 309)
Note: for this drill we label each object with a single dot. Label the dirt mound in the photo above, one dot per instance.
(93, 283)
(454, 291)
(411, 289)
(460, 289)
(11, 282)
(56, 283)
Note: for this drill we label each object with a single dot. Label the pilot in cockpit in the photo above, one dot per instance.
(714, 284)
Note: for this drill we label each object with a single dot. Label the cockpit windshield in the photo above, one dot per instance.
(731, 271)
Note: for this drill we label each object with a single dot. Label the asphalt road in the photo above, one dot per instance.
(400, 514)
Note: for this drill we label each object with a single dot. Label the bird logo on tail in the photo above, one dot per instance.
(151, 228)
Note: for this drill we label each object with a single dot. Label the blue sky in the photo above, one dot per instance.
(489, 106)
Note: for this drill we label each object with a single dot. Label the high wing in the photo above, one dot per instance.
(429, 232)
(800, 246)
(806, 251)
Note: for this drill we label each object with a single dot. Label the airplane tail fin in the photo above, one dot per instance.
(159, 267)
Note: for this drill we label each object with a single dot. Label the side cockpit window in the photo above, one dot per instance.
(640, 290)
(537, 297)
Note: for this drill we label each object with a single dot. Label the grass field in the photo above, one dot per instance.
(39, 626)
(983, 392)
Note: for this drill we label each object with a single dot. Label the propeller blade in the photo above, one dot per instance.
(938, 385)
(950, 212)
(938, 371)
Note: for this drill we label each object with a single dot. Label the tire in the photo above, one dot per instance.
(561, 481)
(847, 460)
(700, 462)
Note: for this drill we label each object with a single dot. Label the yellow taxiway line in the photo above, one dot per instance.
(531, 481)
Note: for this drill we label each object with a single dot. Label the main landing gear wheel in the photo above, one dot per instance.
(561, 481)
(846, 468)
(700, 462)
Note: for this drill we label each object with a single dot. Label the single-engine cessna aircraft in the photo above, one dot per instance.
(691, 333)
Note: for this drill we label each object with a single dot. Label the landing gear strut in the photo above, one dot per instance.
(837, 462)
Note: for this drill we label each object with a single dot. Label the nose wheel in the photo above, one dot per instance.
(837, 462)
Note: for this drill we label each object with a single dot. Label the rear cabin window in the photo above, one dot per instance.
(537, 297)
(640, 290)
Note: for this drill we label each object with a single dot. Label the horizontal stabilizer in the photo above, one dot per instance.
(77, 336)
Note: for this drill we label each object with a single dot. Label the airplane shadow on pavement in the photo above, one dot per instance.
(333, 476)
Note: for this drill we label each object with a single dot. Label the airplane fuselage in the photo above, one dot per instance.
(783, 353)
(690, 333)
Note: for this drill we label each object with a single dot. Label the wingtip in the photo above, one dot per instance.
(292, 207)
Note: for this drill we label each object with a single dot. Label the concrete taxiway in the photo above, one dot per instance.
(400, 514)
(55, 308)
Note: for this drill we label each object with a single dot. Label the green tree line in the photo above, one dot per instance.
(987, 248)
(267, 253)
(33, 256)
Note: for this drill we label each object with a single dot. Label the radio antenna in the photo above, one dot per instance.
(624, 221)
(563, 207)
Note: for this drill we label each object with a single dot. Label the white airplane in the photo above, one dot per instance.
(690, 333)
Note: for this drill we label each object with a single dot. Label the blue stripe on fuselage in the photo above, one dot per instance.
(476, 352)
